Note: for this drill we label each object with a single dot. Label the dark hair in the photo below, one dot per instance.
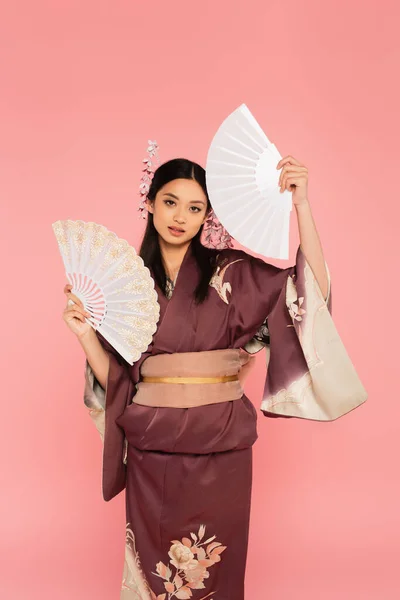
(177, 168)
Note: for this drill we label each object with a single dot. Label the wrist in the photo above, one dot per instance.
(88, 335)
(304, 206)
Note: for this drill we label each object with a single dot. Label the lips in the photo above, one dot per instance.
(176, 230)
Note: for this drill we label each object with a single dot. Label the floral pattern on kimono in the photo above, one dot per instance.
(191, 559)
(134, 584)
(218, 282)
(186, 570)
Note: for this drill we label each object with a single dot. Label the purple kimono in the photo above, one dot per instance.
(188, 471)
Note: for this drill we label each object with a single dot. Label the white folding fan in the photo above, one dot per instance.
(113, 284)
(242, 182)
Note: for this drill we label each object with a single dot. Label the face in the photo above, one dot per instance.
(179, 210)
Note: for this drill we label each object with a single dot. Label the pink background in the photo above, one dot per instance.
(83, 86)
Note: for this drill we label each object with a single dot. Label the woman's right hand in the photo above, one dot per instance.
(74, 314)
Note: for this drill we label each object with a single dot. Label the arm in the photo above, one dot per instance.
(108, 389)
(311, 246)
(294, 178)
(74, 316)
(96, 356)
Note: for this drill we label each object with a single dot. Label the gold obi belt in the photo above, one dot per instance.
(189, 379)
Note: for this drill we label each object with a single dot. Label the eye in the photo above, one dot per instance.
(196, 209)
(169, 202)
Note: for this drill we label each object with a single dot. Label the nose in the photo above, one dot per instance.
(179, 217)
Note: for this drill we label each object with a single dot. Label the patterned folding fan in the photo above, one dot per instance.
(112, 282)
(242, 182)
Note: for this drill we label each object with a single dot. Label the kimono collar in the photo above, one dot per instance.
(174, 325)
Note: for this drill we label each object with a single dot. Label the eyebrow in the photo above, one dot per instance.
(176, 198)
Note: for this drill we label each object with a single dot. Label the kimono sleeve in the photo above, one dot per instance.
(310, 374)
(105, 406)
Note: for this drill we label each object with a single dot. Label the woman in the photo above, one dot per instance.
(182, 448)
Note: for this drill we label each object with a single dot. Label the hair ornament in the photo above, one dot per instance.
(214, 233)
(151, 162)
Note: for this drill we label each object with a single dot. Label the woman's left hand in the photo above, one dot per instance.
(294, 178)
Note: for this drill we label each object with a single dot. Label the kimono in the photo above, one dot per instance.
(187, 472)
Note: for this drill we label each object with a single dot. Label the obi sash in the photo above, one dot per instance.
(189, 379)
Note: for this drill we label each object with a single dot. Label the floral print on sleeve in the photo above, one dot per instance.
(295, 310)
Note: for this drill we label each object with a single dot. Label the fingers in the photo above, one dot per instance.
(288, 159)
(292, 170)
(70, 296)
(292, 174)
(75, 299)
(71, 313)
(75, 309)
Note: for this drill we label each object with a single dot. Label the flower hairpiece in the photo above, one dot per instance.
(151, 162)
(214, 234)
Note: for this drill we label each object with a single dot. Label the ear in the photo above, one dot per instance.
(150, 206)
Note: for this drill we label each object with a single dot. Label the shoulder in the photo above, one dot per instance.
(229, 259)
(230, 255)
(247, 271)
(241, 259)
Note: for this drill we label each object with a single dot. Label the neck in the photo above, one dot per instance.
(172, 257)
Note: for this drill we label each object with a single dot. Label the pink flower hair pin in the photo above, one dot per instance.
(214, 233)
(151, 162)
